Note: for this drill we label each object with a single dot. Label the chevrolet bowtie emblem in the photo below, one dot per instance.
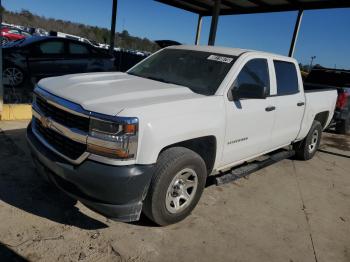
(45, 121)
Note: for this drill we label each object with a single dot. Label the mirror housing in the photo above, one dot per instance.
(248, 91)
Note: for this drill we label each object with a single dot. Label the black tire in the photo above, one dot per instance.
(306, 149)
(169, 165)
(343, 127)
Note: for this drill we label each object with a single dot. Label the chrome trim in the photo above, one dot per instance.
(122, 120)
(43, 141)
(61, 103)
(76, 134)
(71, 133)
(111, 161)
(103, 143)
(78, 110)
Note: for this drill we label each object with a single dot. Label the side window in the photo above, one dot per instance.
(51, 48)
(77, 49)
(255, 73)
(287, 78)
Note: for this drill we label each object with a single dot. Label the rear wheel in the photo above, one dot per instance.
(176, 187)
(306, 149)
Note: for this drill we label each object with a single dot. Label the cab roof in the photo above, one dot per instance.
(227, 50)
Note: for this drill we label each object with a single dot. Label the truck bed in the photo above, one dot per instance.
(317, 101)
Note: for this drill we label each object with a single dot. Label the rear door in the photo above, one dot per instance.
(289, 101)
(78, 58)
(249, 121)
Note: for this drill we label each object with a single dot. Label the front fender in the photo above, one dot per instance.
(162, 127)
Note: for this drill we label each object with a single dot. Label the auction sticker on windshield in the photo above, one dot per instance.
(222, 59)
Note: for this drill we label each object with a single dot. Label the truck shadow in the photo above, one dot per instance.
(21, 187)
(8, 255)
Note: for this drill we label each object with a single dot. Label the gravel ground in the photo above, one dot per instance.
(291, 211)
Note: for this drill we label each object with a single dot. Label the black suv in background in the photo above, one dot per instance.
(321, 78)
(44, 56)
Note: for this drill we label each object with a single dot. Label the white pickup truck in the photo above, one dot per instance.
(147, 140)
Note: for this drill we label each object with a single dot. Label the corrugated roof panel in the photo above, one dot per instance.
(309, 1)
(277, 2)
(229, 7)
(243, 3)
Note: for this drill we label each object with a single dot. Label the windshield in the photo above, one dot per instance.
(202, 72)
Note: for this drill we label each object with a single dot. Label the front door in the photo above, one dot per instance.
(249, 121)
(45, 57)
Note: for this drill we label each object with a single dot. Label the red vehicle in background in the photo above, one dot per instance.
(11, 34)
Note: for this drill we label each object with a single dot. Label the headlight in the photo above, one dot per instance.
(113, 138)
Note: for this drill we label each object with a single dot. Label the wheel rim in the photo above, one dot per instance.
(181, 190)
(14, 76)
(314, 140)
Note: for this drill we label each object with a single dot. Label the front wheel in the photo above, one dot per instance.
(306, 149)
(4, 40)
(176, 187)
(14, 75)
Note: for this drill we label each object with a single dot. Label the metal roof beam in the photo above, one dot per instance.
(200, 4)
(231, 4)
(205, 9)
(259, 3)
(285, 8)
(178, 4)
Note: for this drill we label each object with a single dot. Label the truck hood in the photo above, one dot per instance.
(110, 93)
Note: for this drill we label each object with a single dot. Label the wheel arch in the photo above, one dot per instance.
(205, 147)
(322, 117)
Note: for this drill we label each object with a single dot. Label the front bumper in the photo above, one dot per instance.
(116, 192)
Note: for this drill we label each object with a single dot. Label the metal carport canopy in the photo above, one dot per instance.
(215, 8)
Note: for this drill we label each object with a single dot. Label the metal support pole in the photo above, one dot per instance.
(214, 22)
(113, 23)
(199, 29)
(295, 33)
(1, 83)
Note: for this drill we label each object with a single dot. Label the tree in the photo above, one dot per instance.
(94, 33)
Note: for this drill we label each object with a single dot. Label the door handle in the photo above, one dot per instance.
(270, 108)
(300, 104)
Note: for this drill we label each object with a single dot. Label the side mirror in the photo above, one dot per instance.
(252, 91)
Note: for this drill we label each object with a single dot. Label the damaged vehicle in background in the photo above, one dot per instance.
(36, 57)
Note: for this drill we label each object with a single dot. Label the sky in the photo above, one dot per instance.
(323, 33)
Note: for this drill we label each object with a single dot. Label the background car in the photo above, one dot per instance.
(37, 57)
(11, 34)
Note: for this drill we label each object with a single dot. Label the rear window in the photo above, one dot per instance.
(287, 78)
(77, 49)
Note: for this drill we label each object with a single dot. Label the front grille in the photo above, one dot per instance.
(62, 144)
(63, 117)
